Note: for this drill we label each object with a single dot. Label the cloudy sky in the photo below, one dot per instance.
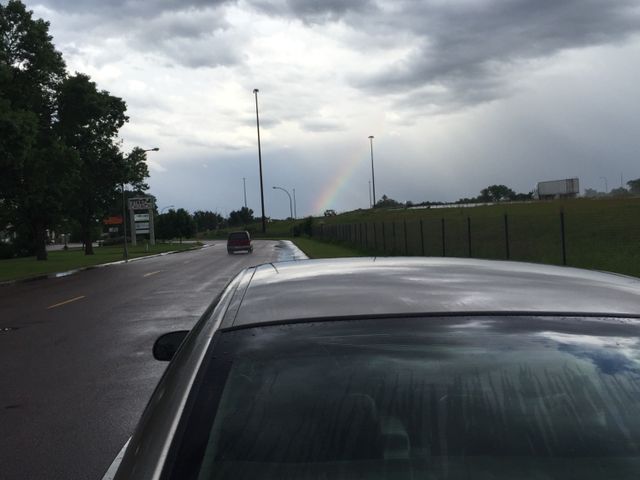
(459, 94)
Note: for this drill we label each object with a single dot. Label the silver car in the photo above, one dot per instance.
(400, 368)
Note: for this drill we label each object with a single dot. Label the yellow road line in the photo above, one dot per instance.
(65, 302)
(151, 273)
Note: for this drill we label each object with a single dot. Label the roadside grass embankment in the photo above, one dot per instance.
(319, 249)
(599, 234)
(65, 260)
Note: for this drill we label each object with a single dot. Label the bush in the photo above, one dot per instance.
(7, 250)
(304, 228)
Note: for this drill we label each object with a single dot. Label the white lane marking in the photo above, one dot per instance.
(65, 302)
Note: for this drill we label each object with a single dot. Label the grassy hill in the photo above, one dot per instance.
(600, 234)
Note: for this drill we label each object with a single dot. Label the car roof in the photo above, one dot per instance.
(413, 285)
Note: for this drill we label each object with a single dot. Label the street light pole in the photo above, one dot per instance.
(125, 252)
(295, 207)
(369, 190)
(264, 223)
(373, 175)
(290, 202)
(164, 208)
(244, 186)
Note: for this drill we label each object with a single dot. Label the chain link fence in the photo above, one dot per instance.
(593, 239)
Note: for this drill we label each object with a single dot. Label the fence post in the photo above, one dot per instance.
(375, 237)
(384, 240)
(562, 236)
(469, 235)
(422, 237)
(393, 238)
(366, 235)
(444, 249)
(406, 244)
(506, 236)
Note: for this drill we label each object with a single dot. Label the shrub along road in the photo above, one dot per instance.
(77, 368)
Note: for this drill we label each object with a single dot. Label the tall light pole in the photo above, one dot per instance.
(369, 190)
(373, 175)
(606, 187)
(264, 223)
(164, 208)
(290, 202)
(295, 207)
(125, 253)
(244, 186)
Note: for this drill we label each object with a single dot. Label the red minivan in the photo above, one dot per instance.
(239, 241)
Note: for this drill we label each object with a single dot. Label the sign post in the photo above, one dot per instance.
(142, 223)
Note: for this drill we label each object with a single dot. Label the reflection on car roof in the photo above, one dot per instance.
(377, 286)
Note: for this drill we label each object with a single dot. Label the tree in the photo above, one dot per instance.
(496, 193)
(89, 121)
(166, 225)
(175, 224)
(243, 216)
(634, 186)
(386, 202)
(185, 226)
(206, 220)
(619, 192)
(38, 171)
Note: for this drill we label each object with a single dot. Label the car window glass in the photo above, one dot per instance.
(426, 401)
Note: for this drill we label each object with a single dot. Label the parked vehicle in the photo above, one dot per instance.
(400, 368)
(239, 242)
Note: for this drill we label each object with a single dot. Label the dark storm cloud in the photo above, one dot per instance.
(466, 47)
(191, 33)
(191, 39)
(313, 11)
(127, 8)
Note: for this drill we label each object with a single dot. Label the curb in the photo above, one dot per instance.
(291, 253)
(99, 265)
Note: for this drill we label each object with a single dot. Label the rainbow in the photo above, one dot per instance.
(343, 173)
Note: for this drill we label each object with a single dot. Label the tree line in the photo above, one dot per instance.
(181, 224)
(490, 194)
(60, 156)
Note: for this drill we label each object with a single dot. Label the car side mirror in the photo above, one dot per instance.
(166, 346)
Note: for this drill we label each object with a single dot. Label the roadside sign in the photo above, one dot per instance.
(144, 230)
(141, 203)
(113, 229)
(142, 226)
(113, 220)
(141, 217)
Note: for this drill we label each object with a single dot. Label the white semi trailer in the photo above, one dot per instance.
(568, 188)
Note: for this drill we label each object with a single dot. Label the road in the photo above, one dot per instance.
(75, 355)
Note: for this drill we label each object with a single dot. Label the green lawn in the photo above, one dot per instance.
(602, 234)
(61, 261)
(317, 249)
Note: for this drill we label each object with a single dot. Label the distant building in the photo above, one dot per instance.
(553, 189)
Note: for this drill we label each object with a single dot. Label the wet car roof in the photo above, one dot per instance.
(378, 286)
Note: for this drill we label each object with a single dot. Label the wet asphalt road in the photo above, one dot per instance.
(76, 363)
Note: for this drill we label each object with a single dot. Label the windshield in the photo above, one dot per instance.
(239, 236)
(498, 398)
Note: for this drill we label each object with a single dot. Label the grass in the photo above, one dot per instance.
(318, 249)
(602, 234)
(61, 261)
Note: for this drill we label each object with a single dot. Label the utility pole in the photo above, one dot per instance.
(373, 175)
(295, 207)
(244, 186)
(264, 221)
